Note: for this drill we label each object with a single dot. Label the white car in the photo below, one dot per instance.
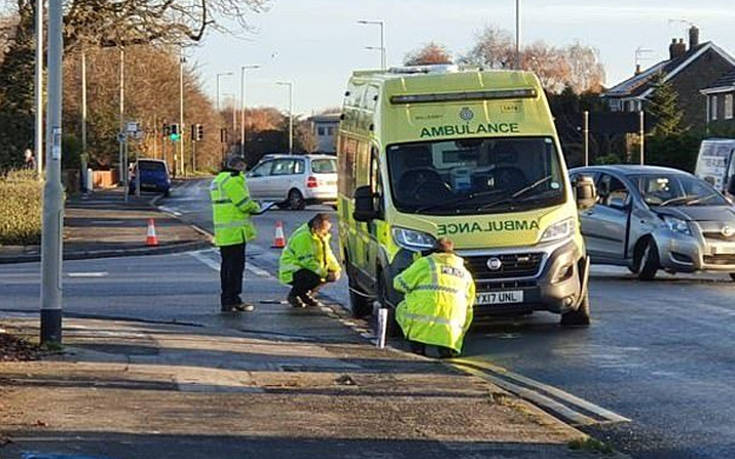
(294, 181)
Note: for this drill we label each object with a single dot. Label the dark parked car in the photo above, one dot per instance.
(154, 176)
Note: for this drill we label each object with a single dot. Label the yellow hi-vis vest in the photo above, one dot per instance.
(306, 250)
(438, 296)
(231, 208)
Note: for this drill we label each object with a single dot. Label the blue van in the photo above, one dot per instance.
(154, 176)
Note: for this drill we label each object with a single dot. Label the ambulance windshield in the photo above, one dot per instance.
(475, 176)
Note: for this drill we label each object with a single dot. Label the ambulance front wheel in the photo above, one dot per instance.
(580, 316)
(361, 305)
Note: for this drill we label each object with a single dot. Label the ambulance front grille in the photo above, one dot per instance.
(512, 265)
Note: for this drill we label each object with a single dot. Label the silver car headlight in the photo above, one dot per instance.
(559, 230)
(677, 225)
(413, 240)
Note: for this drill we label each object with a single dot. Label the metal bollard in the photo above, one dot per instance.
(382, 328)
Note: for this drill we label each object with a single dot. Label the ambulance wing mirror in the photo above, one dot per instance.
(365, 204)
(586, 194)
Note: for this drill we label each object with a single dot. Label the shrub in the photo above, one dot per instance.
(20, 208)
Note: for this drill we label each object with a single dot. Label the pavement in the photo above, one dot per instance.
(103, 225)
(142, 388)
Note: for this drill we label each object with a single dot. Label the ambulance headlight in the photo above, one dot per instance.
(559, 230)
(413, 240)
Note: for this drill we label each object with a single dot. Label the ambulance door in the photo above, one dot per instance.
(377, 226)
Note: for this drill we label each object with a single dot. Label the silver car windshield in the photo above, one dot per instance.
(475, 176)
(677, 190)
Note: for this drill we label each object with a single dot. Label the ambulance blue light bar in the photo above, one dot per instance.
(525, 93)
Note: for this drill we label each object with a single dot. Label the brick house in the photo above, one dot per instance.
(719, 101)
(689, 69)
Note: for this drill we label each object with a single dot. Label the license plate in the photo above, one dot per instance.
(723, 250)
(508, 297)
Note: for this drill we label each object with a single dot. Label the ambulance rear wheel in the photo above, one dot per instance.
(360, 304)
(579, 317)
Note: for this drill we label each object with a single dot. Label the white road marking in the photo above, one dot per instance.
(199, 255)
(90, 274)
(170, 210)
(257, 271)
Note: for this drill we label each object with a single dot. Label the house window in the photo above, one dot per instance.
(320, 130)
(713, 107)
(728, 106)
(330, 130)
(615, 105)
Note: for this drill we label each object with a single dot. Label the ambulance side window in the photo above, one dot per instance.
(376, 182)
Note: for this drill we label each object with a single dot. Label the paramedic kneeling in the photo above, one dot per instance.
(438, 296)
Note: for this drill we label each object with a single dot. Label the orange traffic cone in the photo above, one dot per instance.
(279, 241)
(151, 238)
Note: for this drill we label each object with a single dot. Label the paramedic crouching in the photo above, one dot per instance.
(438, 296)
(307, 262)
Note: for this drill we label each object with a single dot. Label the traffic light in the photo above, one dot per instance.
(166, 130)
(174, 132)
(223, 135)
(197, 132)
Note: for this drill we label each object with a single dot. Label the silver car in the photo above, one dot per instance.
(650, 218)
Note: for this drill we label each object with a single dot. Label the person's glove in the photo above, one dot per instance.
(332, 276)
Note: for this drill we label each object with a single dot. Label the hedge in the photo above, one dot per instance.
(20, 208)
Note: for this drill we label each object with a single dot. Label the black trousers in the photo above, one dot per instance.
(230, 273)
(304, 280)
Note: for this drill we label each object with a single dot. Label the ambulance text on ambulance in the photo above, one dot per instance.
(487, 227)
(466, 129)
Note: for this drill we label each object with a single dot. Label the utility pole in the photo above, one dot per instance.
(518, 34)
(120, 139)
(85, 186)
(53, 206)
(290, 113)
(242, 106)
(39, 89)
(586, 138)
(218, 77)
(181, 111)
(382, 41)
(642, 135)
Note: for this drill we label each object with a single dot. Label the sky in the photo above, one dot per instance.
(316, 44)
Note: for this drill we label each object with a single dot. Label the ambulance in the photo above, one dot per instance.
(434, 151)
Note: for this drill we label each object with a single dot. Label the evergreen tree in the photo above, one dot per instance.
(664, 109)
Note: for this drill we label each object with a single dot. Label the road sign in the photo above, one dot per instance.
(132, 127)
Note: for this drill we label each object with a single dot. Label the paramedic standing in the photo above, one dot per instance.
(307, 262)
(232, 207)
(438, 296)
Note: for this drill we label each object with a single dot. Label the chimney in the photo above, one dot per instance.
(637, 69)
(693, 37)
(677, 49)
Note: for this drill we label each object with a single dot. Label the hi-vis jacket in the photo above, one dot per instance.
(231, 207)
(306, 250)
(437, 306)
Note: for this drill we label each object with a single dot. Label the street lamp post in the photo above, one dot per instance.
(290, 113)
(218, 77)
(53, 208)
(182, 60)
(518, 34)
(39, 89)
(382, 40)
(242, 106)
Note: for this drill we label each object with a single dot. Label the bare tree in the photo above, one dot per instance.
(576, 66)
(430, 53)
(494, 48)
